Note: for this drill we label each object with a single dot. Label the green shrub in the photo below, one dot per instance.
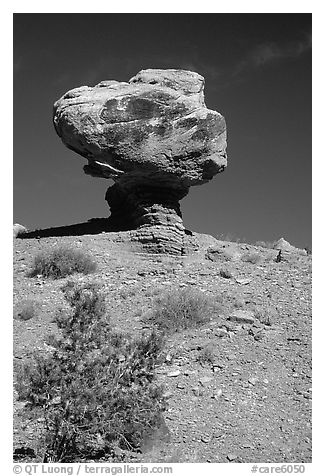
(97, 387)
(27, 309)
(181, 309)
(62, 261)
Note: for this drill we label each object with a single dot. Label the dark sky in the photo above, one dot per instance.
(258, 75)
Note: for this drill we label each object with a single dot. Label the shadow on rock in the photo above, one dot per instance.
(94, 226)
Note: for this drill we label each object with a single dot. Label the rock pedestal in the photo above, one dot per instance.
(155, 138)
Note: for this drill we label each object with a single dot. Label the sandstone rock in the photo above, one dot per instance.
(222, 253)
(155, 138)
(18, 230)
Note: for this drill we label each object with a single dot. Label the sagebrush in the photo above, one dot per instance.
(181, 309)
(97, 387)
(62, 261)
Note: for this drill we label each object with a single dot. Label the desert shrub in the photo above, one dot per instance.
(27, 309)
(251, 257)
(207, 354)
(181, 309)
(97, 387)
(62, 261)
(265, 316)
(224, 273)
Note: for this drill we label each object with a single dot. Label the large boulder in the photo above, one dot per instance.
(154, 137)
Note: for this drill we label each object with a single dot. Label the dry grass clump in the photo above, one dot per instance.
(62, 261)
(181, 309)
(97, 387)
(207, 354)
(265, 316)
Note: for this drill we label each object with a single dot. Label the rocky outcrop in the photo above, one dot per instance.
(19, 230)
(155, 138)
(285, 247)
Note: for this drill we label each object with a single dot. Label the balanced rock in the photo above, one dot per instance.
(152, 135)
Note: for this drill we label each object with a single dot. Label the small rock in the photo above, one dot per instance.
(167, 395)
(217, 394)
(56, 400)
(242, 317)
(232, 457)
(205, 439)
(197, 391)
(180, 385)
(174, 373)
(204, 380)
(253, 380)
(20, 405)
(218, 366)
(221, 333)
(243, 281)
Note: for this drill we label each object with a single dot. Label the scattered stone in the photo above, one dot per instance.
(56, 400)
(222, 253)
(180, 385)
(243, 281)
(205, 380)
(174, 373)
(217, 394)
(205, 439)
(221, 332)
(253, 380)
(231, 457)
(197, 391)
(242, 317)
(167, 395)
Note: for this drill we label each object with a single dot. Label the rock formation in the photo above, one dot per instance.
(18, 230)
(284, 246)
(155, 138)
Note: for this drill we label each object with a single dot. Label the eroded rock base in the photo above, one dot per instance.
(151, 213)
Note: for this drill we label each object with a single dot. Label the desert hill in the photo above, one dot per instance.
(237, 388)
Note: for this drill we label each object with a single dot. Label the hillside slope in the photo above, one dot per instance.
(252, 401)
